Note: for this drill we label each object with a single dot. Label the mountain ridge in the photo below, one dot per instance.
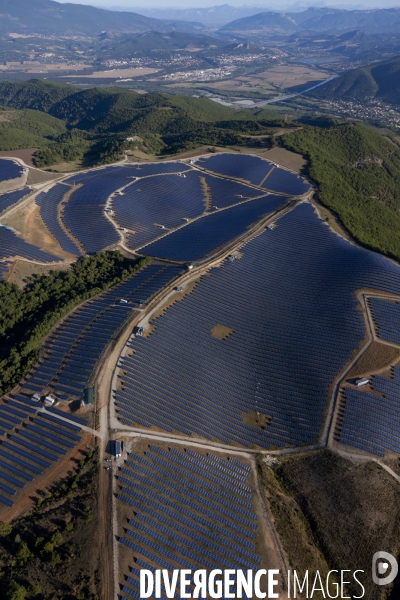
(378, 81)
(382, 20)
(49, 17)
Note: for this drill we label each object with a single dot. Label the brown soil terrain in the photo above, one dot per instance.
(290, 160)
(26, 154)
(26, 499)
(376, 357)
(35, 176)
(332, 513)
(21, 270)
(52, 551)
(28, 223)
(221, 332)
(256, 419)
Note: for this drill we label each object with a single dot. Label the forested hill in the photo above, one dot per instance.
(379, 81)
(98, 121)
(358, 174)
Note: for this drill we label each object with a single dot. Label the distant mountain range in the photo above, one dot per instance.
(214, 16)
(52, 18)
(319, 19)
(380, 81)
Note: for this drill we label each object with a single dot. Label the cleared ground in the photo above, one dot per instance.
(332, 513)
(25, 154)
(28, 223)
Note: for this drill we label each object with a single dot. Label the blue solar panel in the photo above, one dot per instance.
(180, 525)
(241, 166)
(286, 182)
(203, 236)
(11, 245)
(183, 378)
(10, 198)
(49, 203)
(9, 169)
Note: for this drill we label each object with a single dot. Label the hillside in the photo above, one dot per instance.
(52, 18)
(155, 43)
(28, 129)
(379, 81)
(358, 174)
(97, 121)
(320, 19)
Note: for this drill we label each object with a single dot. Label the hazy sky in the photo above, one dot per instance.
(268, 5)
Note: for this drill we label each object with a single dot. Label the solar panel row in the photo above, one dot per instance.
(9, 170)
(75, 348)
(204, 236)
(281, 356)
(49, 203)
(10, 198)
(175, 525)
(11, 245)
(33, 443)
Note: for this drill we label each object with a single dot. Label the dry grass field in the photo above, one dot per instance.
(119, 73)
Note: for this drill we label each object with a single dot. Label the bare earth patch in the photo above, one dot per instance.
(36, 176)
(256, 419)
(26, 154)
(376, 357)
(287, 159)
(28, 223)
(221, 332)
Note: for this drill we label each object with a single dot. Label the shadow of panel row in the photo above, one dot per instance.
(7, 200)
(76, 347)
(188, 511)
(371, 422)
(31, 441)
(290, 307)
(9, 170)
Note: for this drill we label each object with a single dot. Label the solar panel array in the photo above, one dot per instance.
(30, 441)
(286, 182)
(257, 171)
(371, 422)
(10, 198)
(225, 192)
(76, 346)
(49, 203)
(163, 200)
(189, 511)
(386, 315)
(9, 170)
(11, 245)
(201, 237)
(241, 166)
(84, 213)
(291, 303)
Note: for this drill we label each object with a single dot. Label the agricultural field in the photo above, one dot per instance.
(273, 81)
